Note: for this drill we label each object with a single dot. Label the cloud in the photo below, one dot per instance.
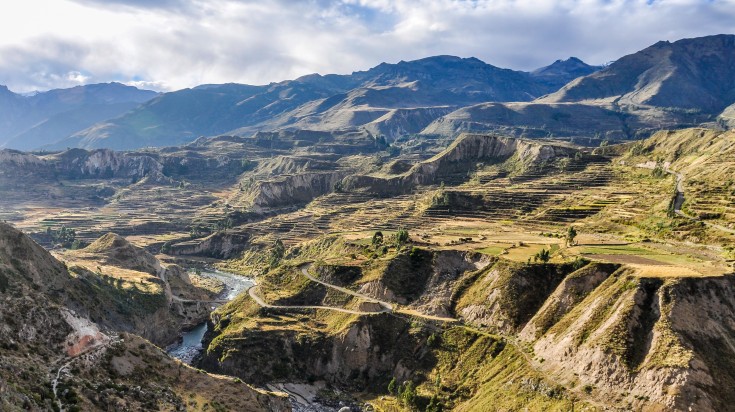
(171, 44)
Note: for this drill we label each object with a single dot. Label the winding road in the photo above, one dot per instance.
(263, 304)
(89, 350)
(386, 307)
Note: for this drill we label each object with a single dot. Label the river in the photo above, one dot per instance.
(191, 342)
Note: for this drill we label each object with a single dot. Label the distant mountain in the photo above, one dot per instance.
(667, 85)
(390, 99)
(32, 121)
(696, 74)
(562, 72)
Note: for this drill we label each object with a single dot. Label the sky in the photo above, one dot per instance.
(173, 44)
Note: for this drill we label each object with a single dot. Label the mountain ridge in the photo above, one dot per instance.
(316, 102)
(31, 121)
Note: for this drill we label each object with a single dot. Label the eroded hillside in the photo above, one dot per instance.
(61, 351)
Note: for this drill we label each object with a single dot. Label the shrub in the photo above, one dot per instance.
(377, 238)
(402, 236)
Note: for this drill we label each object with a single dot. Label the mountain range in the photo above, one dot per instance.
(667, 85)
(28, 122)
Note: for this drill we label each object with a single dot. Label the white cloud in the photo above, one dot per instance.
(171, 44)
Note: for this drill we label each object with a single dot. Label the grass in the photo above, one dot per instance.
(526, 251)
(635, 250)
(493, 250)
(613, 250)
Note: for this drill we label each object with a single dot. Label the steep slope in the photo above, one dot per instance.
(667, 85)
(455, 160)
(53, 356)
(331, 102)
(168, 120)
(34, 121)
(694, 74)
(485, 332)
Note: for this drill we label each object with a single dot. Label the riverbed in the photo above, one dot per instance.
(191, 342)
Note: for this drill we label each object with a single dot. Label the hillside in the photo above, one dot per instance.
(393, 99)
(695, 74)
(600, 335)
(30, 122)
(562, 72)
(55, 356)
(665, 86)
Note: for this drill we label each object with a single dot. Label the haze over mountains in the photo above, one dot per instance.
(667, 85)
(29, 122)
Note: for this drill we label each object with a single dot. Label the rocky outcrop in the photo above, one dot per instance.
(294, 189)
(368, 350)
(115, 250)
(463, 153)
(9, 158)
(81, 164)
(726, 119)
(224, 245)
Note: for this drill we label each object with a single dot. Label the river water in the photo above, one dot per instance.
(191, 343)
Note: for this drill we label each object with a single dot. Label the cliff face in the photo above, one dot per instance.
(78, 163)
(637, 339)
(462, 154)
(111, 271)
(563, 329)
(218, 245)
(294, 189)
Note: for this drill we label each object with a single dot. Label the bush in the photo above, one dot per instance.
(377, 238)
(392, 386)
(402, 236)
(543, 256)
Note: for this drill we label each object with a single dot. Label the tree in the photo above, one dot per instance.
(278, 250)
(402, 236)
(408, 395)
(392, 386)
(571, 235)
(434, 405)
(544, 256)
(377, 238)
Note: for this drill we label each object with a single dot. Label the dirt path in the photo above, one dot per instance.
(679, 200)
(57, 377)
(385, 307)
(264, 304)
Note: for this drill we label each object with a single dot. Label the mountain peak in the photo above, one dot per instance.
(696, 73)
(561, 72)
(5, 91)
